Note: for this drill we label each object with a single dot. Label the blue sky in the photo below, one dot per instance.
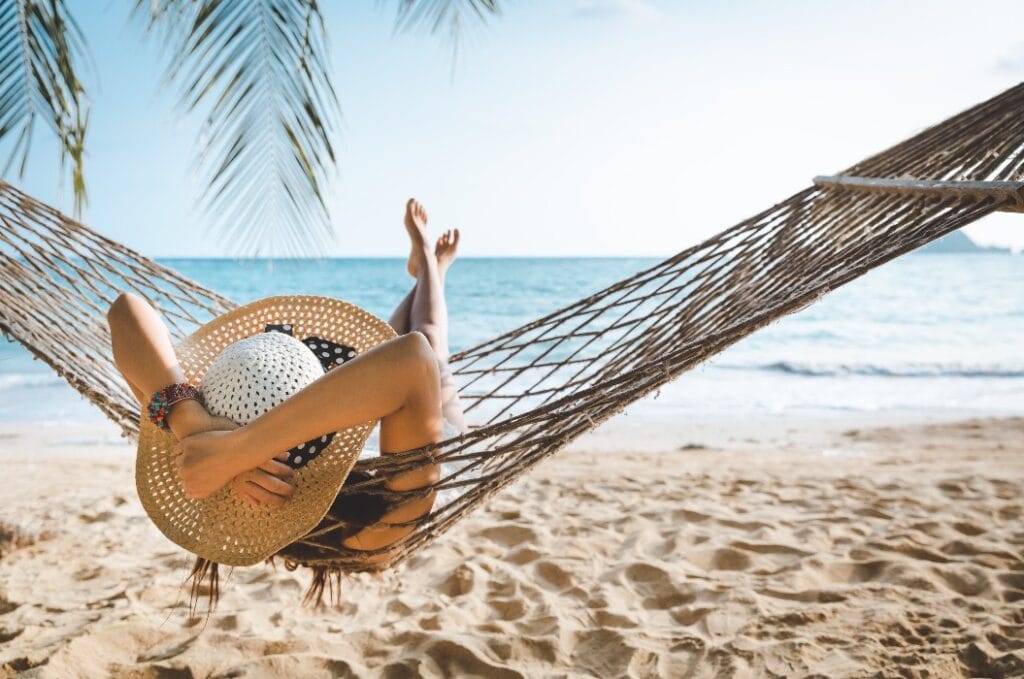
(567, 127)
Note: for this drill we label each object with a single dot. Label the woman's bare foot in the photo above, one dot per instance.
(416, 226)
(445, 250)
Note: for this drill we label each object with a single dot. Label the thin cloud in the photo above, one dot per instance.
(1012, 61)
(597, 9)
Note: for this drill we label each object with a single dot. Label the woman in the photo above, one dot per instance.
(404, 382)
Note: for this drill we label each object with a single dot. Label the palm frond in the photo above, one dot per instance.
(450, 15)
(258, 68)
(39, 46)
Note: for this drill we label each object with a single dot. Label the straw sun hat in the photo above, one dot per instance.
(245, 362)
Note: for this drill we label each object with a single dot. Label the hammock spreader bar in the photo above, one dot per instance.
(1010, 194)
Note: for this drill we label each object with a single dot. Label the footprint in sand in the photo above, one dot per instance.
(967, 581)
(398, 609)
(7, 635)
(852, 572)
(609, 619)
(305, 665)
(552, 576)
(604, 653)
(968, 528)
(690, 615)
(665, 547)
(228, 623)
(510, 535)
(655, 586)
(459, 582)
(722, 559)
(954, 488)
(508, 609)
(24, 663)
(541, 626)
(1004, 490)
(1010, 512)
(456, 660)
(985, 663)
(769, 548)
(545, 651)
(523, 556)
(687, 516)
(1014, 583)
(165, 651)
(95, 518)
(818, 596)
(747, 526)
(872, 513)
(89, 573)
(503, 586)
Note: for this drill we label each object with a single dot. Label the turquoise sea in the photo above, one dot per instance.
(934, 332)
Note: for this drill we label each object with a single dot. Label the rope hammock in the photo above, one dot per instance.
(534, 389)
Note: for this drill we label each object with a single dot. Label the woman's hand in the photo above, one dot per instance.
(269, 484)
(208, 461)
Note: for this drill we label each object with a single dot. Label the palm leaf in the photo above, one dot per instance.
(436, 15)
(39, 45)
(258, 70)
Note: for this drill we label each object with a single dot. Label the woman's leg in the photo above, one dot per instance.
(428, 310)
(444, 254)
(423, 310)
(428, 313)
(400, 316)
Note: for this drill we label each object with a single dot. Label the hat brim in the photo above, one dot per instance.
(223, 527)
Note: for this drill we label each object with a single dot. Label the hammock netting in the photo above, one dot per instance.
(530, 391)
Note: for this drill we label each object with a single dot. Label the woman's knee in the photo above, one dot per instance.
(421, 363)
(432, 334)
(126, 305)
(416, 347)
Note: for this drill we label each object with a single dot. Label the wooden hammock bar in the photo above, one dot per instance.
(1010, 194)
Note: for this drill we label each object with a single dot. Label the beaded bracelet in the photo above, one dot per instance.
(162, 400)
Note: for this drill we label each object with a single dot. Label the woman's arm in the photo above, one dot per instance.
(144, 354)
(395, 382)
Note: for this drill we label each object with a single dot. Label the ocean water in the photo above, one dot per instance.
(926, 332)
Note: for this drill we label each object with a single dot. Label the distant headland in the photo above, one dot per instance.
(957, 242)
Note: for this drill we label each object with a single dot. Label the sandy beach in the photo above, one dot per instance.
(792, 548)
